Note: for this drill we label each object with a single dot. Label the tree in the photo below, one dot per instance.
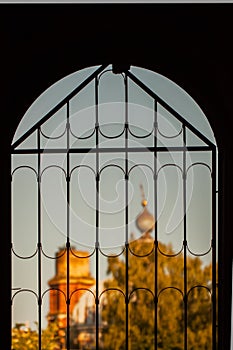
(24, 338)
(170, 296)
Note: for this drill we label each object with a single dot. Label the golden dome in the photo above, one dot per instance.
(145, 221)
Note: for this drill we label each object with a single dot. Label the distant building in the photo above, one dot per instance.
(80, 279)
(83, 329)
(83, 290)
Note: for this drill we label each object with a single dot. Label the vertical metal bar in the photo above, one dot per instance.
(185, 244)
(39, 240)
(156, 227)
(126, 220)
(11, 257)
(5, 257)
(68, 228)
(97, 213)
(11, 235)
(214, 299)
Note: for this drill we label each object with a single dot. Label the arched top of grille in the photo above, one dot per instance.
(163, 87)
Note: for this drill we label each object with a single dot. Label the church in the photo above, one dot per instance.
(82, 288)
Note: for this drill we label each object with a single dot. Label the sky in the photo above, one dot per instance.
(112, 191)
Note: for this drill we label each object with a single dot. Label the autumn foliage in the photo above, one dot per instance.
(169, 321)
(158, 292)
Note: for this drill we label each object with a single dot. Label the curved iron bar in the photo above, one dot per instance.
(53, 137)
(102, 73)
(199, 163)
(112, 289)
(140, 137)
(53, 166)
(141, 288)
(23, 257)
(112, 255)
(199, 254)
(21, 167)
(86, 289)
(111, 165)
(105, 71)
(53, 288)
(82, 137)
(24, 290)
(169, 164)
(144, 255)
(112, 137)
(53, 257)
(82, 166)
(82, 257)
(199, 286)
(170, 287)
(140, 165)
(170, 137)
(170, 255)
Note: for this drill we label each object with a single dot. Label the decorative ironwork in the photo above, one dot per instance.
(127, 169)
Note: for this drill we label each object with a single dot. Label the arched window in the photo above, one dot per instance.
(86, 155)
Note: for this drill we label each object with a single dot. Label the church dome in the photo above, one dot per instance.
(145, 221)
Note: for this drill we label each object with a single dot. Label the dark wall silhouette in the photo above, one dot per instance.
(188, 43)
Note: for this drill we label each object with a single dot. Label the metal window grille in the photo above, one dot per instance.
(155, 149)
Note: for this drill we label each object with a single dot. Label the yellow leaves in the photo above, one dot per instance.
(27, 339)
(170, 307)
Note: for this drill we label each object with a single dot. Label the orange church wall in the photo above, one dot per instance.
(80, 278)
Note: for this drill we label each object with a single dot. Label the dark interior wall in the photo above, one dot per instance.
(188, 43)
